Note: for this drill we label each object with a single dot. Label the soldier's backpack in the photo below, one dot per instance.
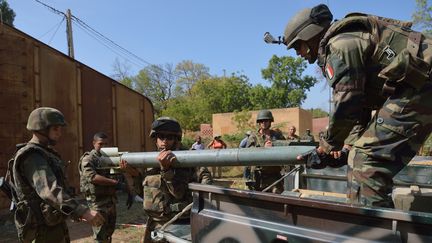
(396, 48)
(6, 183)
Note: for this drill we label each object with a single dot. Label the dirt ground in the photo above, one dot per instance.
(129, 222)
(128, 229)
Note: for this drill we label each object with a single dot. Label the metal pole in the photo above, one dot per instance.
(69, 34)
(274, 156)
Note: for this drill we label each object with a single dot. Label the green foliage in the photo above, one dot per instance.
(188, 73)
(422, 16)
(7, 14)
(288, 87)
(242, 120)
(157, 82)
(233, 140)
(191, 95)
(318, 113)
(208, 96)
(187, 142)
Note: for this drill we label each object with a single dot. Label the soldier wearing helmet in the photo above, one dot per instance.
(372, 63)
(264, 176)
(42, 198)
(165, 189)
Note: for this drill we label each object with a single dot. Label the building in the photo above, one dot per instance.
(223, 123)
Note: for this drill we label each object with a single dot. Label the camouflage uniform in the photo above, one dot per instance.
(36, 174)
(101, 198)
(390, 73)
(166, 193)
(43, 199)
(264, 176)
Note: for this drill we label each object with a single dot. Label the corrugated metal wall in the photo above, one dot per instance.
(32, 75)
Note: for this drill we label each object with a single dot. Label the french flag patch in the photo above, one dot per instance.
(329, 71)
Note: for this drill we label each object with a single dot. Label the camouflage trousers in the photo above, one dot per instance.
(391, 139)
(108, 211)
(265, 176)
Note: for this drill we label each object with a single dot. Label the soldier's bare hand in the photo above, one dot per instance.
(123, 164)
(268, 143)
(166, 158)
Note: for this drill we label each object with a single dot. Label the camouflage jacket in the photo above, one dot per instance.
(258, 140)
(363, 57)
(89, 166)
(38, 176)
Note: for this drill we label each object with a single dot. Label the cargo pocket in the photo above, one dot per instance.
(408, 69)
(25, 222)
(154, 199)
(397, 116)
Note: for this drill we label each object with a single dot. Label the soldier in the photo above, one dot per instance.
(371, 63)
(308, 136)
(99, 188)
(166, 188)
(265, 176)
(292, 134)
(37, 173)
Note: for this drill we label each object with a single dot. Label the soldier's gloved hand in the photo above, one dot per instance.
(93, 217)
(338, 158)
(313, 159)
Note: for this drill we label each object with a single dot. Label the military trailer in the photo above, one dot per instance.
(313, 207)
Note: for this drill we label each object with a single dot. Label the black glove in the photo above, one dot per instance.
(313, 159)
(130, 200)
(339, 162)
(317, 161)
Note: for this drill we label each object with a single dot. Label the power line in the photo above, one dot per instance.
(105, 41)
(55, 32)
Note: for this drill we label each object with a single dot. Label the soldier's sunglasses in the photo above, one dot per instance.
(162, 136)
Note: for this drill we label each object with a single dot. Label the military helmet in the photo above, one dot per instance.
(306, 24)
(264, 115)
(166, 124)
(44, 117)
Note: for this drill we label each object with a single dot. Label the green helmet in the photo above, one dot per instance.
(306, 24)
(44, 117)
(264, 115)
(166, 124)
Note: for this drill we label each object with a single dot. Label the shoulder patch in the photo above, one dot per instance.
(329, 71)
(335, 69)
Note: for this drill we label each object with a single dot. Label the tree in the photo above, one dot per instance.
(157, 82)
(318, 113)
(242, 120)
(209, 96)
(121, 70)
(288, 86)
(188, 73)
(6, 13)
(422, 16)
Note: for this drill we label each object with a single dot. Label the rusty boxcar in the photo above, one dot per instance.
(32, 74)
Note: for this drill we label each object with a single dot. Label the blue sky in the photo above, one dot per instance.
(224, 35)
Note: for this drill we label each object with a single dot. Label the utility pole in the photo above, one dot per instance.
(69, 34)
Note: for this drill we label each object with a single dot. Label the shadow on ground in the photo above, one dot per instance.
(128, 228)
